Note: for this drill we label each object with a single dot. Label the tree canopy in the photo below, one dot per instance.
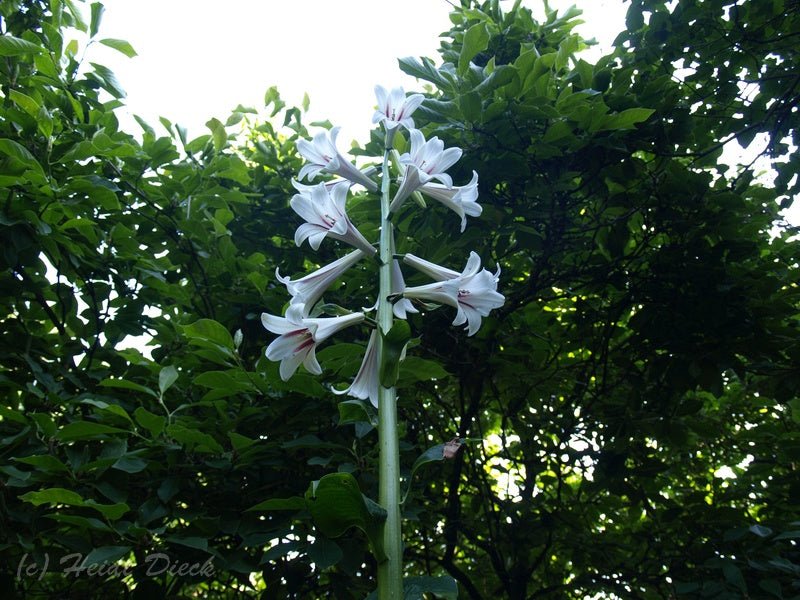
(630, 418)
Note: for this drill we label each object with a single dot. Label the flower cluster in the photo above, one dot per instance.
(472, 292)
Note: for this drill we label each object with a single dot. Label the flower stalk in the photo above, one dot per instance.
(390, 572)
(472, 292)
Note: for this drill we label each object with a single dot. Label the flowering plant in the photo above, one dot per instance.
(323, 208)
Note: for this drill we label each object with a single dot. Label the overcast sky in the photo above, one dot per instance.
(198, 59)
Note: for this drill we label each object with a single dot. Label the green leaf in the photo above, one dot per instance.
(309, 441)
(625, 119)
(761, 531)
(194, 440)
(354, 411)
(433, 454)
(293, 503)
(85, 430)
(130, 464)
(734, 576)
(794, 405)
(70, 498)
(476, 39)
(771, 586)
(53, 496)
(44, 462)
(106, 555)
(120, 46)
(154, 424)
(240, 442)
(414, 369)
(393, 344)
(558, 131)
(272, 96)
(166, 377)
(108, 80)
(127, 385)
(208, 333)
(19, 153)
(82, 522)
(218, 133)
(26, 103)
(336, 504)
(97, 16)
(324, 553)
(441, 587)
(13, 46)
(470, 105)
(198, 543)
(424, 70)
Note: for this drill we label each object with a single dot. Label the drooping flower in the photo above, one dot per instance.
(432, 270)
(402, 306)
(322, 155)
(426, 161)
(333, 183)
(394, 109)
(298, 339)
(365, 385)
(307, 290)
(460, 199)
(473, 292)
(325, 215)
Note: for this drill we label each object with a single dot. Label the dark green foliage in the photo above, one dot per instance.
(649, 336)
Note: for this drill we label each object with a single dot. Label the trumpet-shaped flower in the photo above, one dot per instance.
(365, 385)
(473, 292)
(298, 339)
(307, 290)
(322, 155)
(426, 161)
(325, 215)
(333, 183)
(402, 306)
(394, 109)
(460, 199)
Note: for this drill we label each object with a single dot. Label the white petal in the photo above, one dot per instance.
(411, 181)
(311, 363)
(473, 265)
(443, 292)
(412, 103)
(287, 344)
(430, 269)
(289, 365)
(277, 325)
(297, 310)
(323, 328)
(448, 158)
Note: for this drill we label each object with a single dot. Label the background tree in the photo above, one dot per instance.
(649, 337)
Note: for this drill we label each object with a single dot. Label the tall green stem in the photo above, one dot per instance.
(390, 572)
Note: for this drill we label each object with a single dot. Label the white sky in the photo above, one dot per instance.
(199, 59)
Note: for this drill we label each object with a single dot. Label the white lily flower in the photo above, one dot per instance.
(426, 161)
(325, 215)
(473, 292)
(322, 155)
(460, 199)
(432, 270)
(394, 109)
(402, 306)
(333, 183)
(307, 290)
(299, 337)
(365, 385)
